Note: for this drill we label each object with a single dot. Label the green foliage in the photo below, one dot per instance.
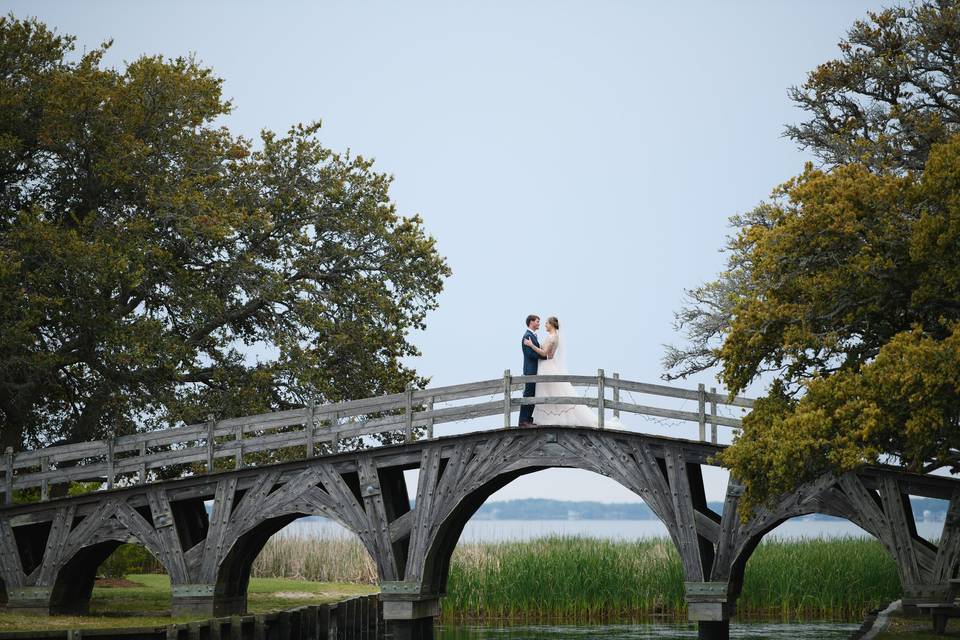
(843, 288)
(145, 252)
(891, 95)
(854, 299)
(128, 559)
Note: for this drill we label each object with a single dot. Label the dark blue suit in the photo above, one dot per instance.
(531, 360)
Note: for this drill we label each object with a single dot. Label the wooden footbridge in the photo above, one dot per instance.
(156, 487)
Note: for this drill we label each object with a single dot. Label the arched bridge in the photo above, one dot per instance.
(50, 550)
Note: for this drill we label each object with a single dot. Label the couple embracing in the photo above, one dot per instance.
(548, 359)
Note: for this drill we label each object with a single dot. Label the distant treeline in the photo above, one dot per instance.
(543, 509)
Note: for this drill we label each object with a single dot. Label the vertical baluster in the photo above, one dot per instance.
(8, 480)
(408, 408)
(238, 455)
(713, 415)
(211, 428)
(44, 484)
(701, 412)
(601, 391)
(507, 383)
(111, 474)
(616, 395)
(142, 473)
(311, 426)
(334, 426)
(430, 421)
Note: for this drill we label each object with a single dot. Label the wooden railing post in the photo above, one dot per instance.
(335, 440)
(111, 445)
(142, 472)
(8, 480)
(702, 412)
(713, 415)
(430, 420)
(44, 484)
(408, 407)
(507, 383)
(238, 438)
(601, 392)
(616, 394)
(311, 427)
(211, 428)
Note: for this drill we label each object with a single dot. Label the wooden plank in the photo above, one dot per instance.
(901, 531)
(600, 399)
(408, 414)
(577, 381)
(948, 551)
(686, 528)
(616, 393)
(376, 513)
(506, 399)
(701, 412)
(8, 476)
(713, 415)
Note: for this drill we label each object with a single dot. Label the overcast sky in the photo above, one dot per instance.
(572, 159)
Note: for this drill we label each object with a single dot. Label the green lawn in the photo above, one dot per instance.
(148, 605)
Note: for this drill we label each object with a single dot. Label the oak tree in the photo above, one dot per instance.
(156, 268)
(844, 288)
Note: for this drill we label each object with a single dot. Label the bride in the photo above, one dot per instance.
(558, 414)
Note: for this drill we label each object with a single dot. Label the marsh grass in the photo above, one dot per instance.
(576, 579)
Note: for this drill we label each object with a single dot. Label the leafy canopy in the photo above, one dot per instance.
(156, 268)
(844, 288)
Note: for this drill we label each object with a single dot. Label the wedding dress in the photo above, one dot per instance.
(577, 415)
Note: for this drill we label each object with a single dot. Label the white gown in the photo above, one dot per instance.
(575, 415)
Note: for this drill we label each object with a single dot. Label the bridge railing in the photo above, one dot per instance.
(412, 414)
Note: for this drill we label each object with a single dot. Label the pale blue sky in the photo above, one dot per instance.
(574, 159)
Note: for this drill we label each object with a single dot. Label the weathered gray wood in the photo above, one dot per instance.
(111, 474)
(211, 442)
(656, 468)
(8, 476)
(616, 393)
(430, 420)
(713, 415)
(701, 412)
(408, 414)
(600, 398)
(506, 399)
(44, 483)
(184, 440)
(142, 467)
(238, 447)
(310, 428)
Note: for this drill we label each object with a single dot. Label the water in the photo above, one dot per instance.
(499, 530)
(743, 631)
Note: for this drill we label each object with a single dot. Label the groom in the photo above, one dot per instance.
(531, 360)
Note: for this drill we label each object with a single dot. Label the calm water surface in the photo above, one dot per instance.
(744, 631)
(497, 530)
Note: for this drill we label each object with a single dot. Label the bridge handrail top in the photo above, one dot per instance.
(290, 417)
(418, 403)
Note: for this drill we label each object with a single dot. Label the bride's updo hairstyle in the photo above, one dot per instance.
(553, 322)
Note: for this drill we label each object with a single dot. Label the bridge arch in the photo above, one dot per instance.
(233, 573)
(451, 490)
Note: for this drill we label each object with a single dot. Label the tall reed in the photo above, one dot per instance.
(577, 579)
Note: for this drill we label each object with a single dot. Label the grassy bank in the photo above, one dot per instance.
(146, 603)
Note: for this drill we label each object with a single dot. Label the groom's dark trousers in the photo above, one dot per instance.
(531, 360)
